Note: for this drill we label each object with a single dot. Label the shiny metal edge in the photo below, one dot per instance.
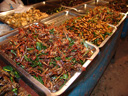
(122, 20)
(58, 18)
(98, 3)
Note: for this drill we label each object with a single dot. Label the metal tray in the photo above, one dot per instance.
(104, 3)
(45, 6)
(82, 7)
(86, 7)
(59, 18)
(122, 20)
(40, 88)
(42, 6)
(20, 81)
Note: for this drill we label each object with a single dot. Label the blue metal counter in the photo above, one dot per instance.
(125, 28)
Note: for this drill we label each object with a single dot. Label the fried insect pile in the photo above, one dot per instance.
(106, 14)
(89, 28)
(50, 54)
(118, 5)
(8, 85)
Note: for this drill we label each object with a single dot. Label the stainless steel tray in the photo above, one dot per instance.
(20, 80)
(86, 7)
(42, 6)
(8, 34)
(122, 20)
(59, 18)
(104, 3)
(41, 89)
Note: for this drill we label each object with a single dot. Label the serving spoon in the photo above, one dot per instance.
(79, 11)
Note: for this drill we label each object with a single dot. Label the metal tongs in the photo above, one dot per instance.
(79, 11)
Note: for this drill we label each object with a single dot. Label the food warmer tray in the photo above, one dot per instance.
(104, 3)
(36, 85)
(20, 80)
(60, 18)
(91, 5)
(42, 6)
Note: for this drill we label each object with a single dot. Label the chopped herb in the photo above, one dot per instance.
(52, 31)
(67, 58)
(30, 49)
(11, 78)
(26, 58)
(57, 58)
(40, 46)
(54, 77)
(18, 63)
(65, 76)
(16, 74)
(71, 41)
(39, 78)
(79, 18)
(52, 62)
(81, 61)
(7, 68)
(11, 71)
(74, 60)
(15, 91)
(22, 66)
(40, 64)
(106, 33)
(12, 51)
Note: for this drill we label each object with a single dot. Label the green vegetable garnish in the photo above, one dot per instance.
(57, 58)
(39, 78)
(52, 31)
(7, 68)
(30, 49)
(15, 90)
(12, 51)
(40, 46)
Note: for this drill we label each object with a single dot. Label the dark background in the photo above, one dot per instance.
(29, 2)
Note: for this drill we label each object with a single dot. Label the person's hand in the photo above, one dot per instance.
(22, 9)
